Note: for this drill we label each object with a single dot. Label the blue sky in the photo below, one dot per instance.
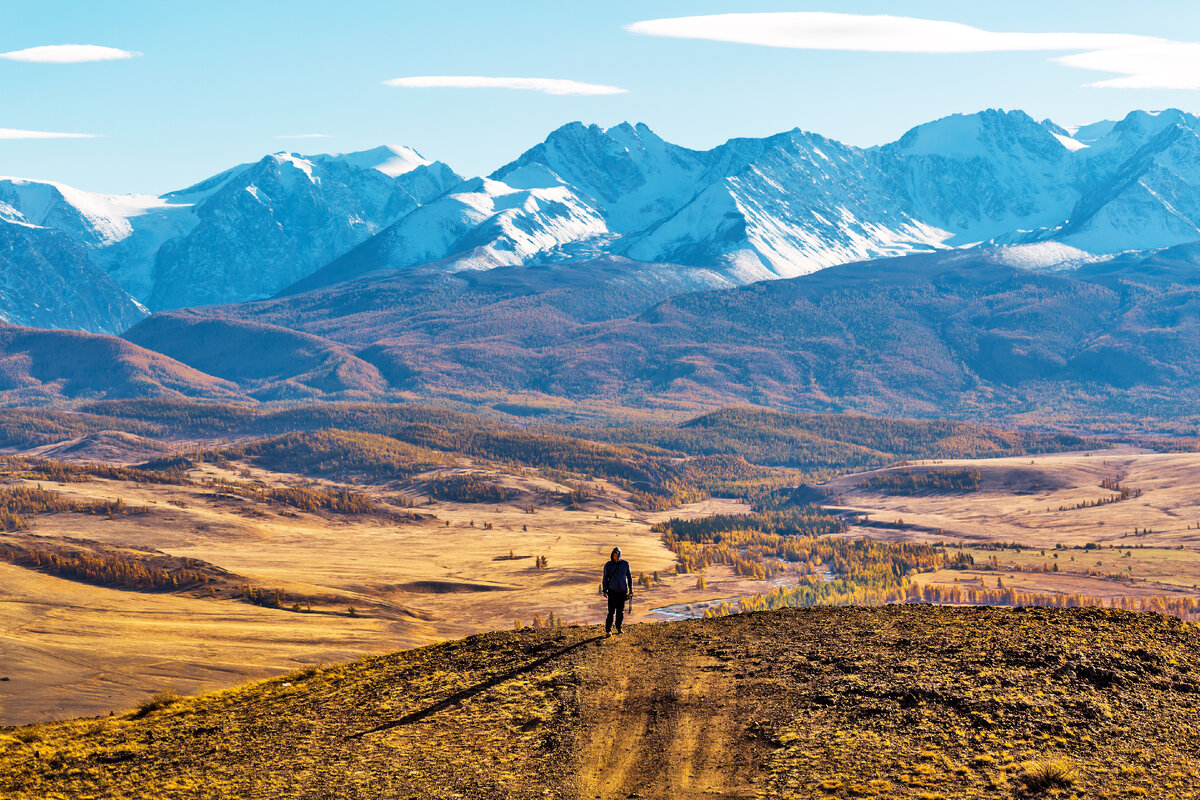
(218, 83)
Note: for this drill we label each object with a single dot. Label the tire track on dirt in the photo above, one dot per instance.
(660, 718)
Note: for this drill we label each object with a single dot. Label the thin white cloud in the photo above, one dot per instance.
(814, 30)
(1145, 62)
(68, 54)
(306, 136)
(1168, 65)
(546, 85)
(14, 133)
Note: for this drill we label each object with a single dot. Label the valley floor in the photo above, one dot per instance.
(75, 648)
(1031, 518)
(456, 568)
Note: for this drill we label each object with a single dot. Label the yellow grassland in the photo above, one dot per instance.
(74, 648)
(83, 649)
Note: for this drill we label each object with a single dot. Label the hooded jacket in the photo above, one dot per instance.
(617, 577)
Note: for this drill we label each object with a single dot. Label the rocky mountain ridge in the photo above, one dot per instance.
(747, 210)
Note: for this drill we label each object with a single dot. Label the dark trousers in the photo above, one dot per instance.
(616, 605)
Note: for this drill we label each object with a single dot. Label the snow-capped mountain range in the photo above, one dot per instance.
(747, 210)
(245, 233)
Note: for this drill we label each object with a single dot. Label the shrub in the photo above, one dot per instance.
(469, 488)
(907, 482)
(159, 700)
(1038, 777)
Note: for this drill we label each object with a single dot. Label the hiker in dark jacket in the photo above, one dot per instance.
(617, 587)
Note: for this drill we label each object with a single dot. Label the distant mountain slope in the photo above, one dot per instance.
(268, 362)
(953, 333)
(803, 203)
(923, 334)
(792, 203)
(1141, 185)
(120, 233)
(47, 280)
(545, 300)
(753, 208)
(480, 224)
(279, 219)
(40, 365)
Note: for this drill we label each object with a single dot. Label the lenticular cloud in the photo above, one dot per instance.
(1144, 62)
(810, 30)
(68, 54)
(1166, 65)
(545, 85)
(16, 133)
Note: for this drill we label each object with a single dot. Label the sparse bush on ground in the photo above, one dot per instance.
(911, 482)
(161, 699)
(471, 487)
(1040, 776)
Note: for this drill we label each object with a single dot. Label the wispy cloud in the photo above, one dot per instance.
(1146, 62)
(813, 30)
(68, 54)
(14, 133)
(305, 136)
(1166, 65)
(546, 85)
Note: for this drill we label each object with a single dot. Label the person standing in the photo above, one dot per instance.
(617, 586)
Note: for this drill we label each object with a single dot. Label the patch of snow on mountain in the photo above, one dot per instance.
(12, 216)
(1043, 256)
(1069, 143)
(299, 162)
(391, 160)
(101, 219)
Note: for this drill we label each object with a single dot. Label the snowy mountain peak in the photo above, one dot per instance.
(1053, 127)
(1093, 132)
(628, 173)
(1142, 126)
(984, 176)
(969, 135)
(95, 220)
(637, 136)
(1063, 135)
(295, 160)
(391, 160)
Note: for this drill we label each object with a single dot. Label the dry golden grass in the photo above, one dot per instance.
(1020, 497)
(83, 649)
(910, 702)
(73, 648)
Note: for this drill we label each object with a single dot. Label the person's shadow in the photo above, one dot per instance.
(471, 691)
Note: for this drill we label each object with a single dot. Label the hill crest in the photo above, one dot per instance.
(896, 701)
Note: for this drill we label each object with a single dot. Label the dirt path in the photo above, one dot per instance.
(660, 719)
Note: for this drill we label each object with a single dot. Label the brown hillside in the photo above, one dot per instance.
(894, 701)
(271, 362)
(37, 365)
(105, 446)
(934, 334)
